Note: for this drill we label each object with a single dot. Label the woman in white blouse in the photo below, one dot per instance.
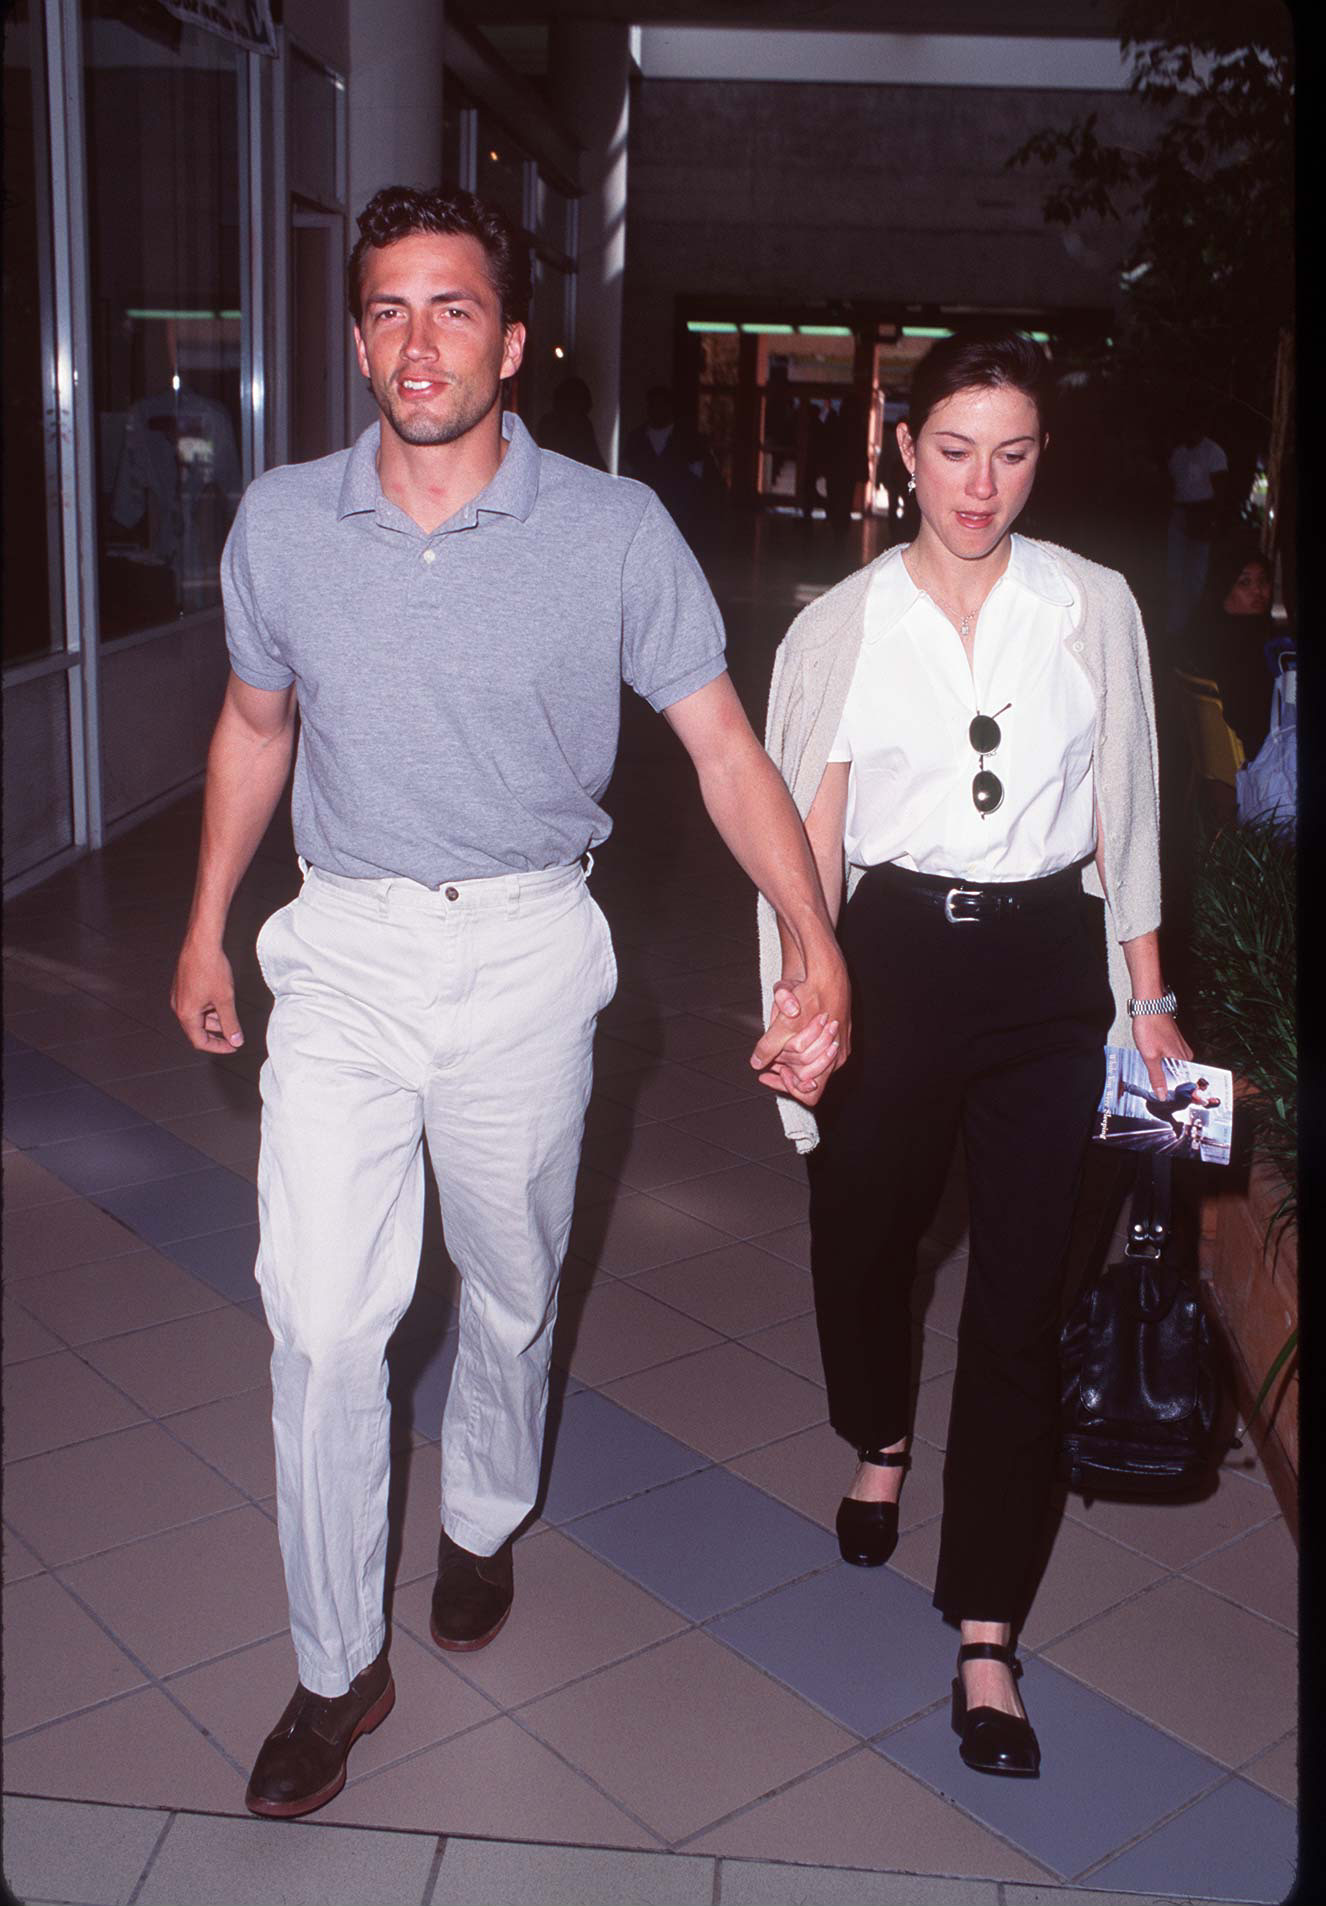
(967, 727)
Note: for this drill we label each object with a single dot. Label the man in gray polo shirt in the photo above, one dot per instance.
(451, 612)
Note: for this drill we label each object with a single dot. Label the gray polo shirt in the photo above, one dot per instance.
(460, 693)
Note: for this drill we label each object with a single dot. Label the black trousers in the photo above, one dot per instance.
(995, 1028)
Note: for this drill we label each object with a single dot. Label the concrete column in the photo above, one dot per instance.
(395, 116)
(589, 69)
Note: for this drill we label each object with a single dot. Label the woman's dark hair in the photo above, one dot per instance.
(1009, 360)
(398, 211)
(1230, 559)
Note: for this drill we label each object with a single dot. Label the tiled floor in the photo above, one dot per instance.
(693, 1698)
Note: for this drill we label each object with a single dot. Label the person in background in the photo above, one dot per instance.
(673, 458)
(567, 428)
(1232, 640)
(967, 725)
(1198, 474)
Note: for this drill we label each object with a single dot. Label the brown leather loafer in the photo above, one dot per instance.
(472, 1596)
(301, 1764)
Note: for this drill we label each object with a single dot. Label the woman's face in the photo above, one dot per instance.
(974, 465)
(1250, 591)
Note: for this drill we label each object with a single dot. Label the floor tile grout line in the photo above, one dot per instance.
(151, 1679)
(137, 1889)
(116, 1336)
(1168, 1573)
(363, 1781)
(1148, 1720)
(435, 1867)
(135, 1541)
(81, 1078)
(908, 1773)
(1136, 1839)
(149, 1416)
(92, 1195)
(561, 1687)
(1290, 1736)
(772, 1793)
(664, 1845)
(1274, 1514)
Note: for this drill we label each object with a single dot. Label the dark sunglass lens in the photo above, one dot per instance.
(984, 734)
(987, 790)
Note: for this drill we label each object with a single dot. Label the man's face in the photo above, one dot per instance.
(431, 341)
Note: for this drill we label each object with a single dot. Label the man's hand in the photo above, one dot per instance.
(203, 999)
(810, 1033)
(1158, 1038)
(247, 765)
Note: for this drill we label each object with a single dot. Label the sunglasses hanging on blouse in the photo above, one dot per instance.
(987, 790)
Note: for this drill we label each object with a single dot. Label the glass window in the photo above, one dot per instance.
(501, 169)
(546, 362)
(455, 105)
(33, 618)
(551, 209)
(720, 358)
(38, 804)
(313, 138)
(164, 239)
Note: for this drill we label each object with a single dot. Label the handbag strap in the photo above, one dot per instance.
(1149, 1220)
(1159, 1279)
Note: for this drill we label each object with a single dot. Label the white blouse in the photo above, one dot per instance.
(912, 699)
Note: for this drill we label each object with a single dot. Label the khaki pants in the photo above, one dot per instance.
(467, 1013)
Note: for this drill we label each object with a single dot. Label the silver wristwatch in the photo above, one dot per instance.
(1165, 1004)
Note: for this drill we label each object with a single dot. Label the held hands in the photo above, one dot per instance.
(808, 1037)
(1158, 1038)
(203, 1000)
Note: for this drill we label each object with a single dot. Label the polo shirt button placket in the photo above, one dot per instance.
(430, 555)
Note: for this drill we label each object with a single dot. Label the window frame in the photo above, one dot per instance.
(58, 30)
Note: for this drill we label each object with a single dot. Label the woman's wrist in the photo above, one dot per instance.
(1163, 1002)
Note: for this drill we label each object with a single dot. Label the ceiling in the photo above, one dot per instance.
(1053, 19)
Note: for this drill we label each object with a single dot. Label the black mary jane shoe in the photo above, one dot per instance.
(868, 1531)
(990, 1741)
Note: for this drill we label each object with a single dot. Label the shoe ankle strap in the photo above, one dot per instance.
(989, 1651)
(883, 1458)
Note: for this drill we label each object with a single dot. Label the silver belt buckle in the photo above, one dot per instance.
(960, 919)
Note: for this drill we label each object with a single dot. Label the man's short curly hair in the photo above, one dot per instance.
(398, 211)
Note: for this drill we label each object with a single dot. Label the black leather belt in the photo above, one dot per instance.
(966, 902)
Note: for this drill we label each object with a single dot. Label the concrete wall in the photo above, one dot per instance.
(796, 192)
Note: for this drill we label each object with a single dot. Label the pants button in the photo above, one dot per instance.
(452, 893)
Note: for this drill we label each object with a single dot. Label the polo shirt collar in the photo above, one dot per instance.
(512, 492)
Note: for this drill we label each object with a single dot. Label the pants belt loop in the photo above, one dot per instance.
(512, 896)
(588, 863)
(303, 866)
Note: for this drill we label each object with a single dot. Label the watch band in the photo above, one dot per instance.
(1165, 1004)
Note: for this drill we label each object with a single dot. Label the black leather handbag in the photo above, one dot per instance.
(1141, 1369)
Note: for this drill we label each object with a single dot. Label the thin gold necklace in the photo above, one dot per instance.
(964, 620)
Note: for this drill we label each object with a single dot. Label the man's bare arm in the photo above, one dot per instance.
(247, 766)
(749, 804)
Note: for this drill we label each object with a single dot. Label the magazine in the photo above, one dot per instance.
(1193, 1119)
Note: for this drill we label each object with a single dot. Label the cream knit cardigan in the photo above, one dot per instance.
(813, 672)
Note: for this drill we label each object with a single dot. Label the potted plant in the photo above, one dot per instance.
(1244, 946)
